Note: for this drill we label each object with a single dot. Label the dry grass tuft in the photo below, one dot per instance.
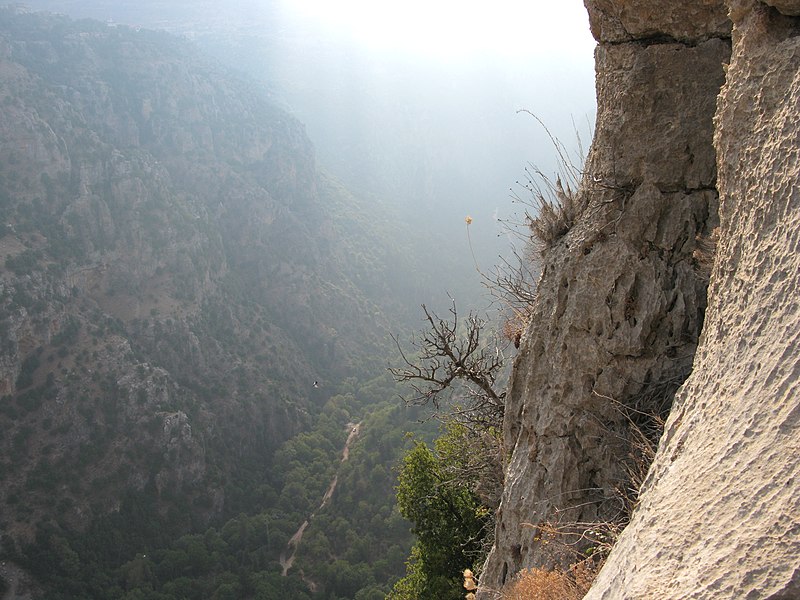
(641, 454)
(705, 252)
(514, 326)
(557, 584)
(557, 207)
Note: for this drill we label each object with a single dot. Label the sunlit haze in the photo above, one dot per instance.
(220, 222)
(446, 29)
(417, 103)
(419, 100)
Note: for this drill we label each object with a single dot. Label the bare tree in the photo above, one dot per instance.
(445, 356)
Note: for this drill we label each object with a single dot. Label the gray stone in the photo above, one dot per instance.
(654, 107)
(720, 511)
(680, 20)
(620, 302)
(620, 306)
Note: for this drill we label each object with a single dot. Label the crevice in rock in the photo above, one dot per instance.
(660, 39)
(791, 24)
(688, 191)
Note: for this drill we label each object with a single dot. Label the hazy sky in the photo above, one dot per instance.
(498, 56)
(421, 98)
(456, 29)
(456, 70)
(415, 101)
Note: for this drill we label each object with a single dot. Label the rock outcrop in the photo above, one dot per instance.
(622, 304)
(720, 511)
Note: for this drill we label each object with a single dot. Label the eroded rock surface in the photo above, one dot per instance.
(682, 20)
(720, 512)
(787, 7)
(621, 304)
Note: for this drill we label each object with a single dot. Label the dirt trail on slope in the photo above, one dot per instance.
(287, 557)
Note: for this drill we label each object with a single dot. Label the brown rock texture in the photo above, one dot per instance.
(620, 301)
(720, 511)
(687, 21)
(787, 7)
(621, 316)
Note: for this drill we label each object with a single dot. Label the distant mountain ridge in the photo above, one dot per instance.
(175, 275)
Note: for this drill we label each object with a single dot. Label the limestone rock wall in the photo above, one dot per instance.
(688, 21)
(720, 511)
(620, 301)
(621, 305)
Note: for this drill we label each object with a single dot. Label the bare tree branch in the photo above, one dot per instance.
(445, 355)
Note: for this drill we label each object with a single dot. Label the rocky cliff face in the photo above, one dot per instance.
(720, 511)
(622, 306)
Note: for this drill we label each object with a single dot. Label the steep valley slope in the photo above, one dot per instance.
(176, 275)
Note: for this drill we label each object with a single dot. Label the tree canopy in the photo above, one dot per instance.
(448, 519)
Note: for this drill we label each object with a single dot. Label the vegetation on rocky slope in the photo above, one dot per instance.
(192, 314)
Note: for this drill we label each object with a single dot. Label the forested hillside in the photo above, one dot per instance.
(193, 320)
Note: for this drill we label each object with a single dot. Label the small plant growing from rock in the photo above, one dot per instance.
(554, 206)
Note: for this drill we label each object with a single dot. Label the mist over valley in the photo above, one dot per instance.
(217, 226)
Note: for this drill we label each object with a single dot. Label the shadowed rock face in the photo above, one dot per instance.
(621, 307)
(720, 511)
(620, 302)
(786, 7)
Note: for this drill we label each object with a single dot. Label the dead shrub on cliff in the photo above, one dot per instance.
(554, 205)
(646, 414)
(452, 351)
(642, 446)
(512, 284)
(705, 252)
(455, 366)
(551, 584)
(582, 546)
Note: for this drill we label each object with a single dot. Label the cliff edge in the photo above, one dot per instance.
(719, 515)
(689, 153)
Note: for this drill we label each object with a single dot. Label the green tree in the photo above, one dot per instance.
(449, 521)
